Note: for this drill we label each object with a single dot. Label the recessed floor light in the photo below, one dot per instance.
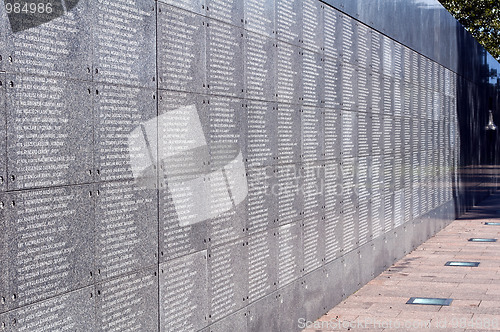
(429, 301)
(482, 240)
(465, 264)
(492, 223)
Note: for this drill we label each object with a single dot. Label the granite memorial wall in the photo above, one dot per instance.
(209, 165)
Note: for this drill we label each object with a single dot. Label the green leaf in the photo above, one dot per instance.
(481, 18)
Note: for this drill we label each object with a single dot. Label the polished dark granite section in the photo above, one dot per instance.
(210, 165)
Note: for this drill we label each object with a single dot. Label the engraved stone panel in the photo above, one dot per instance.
(125, 42)
(125, 132)
(349, 205)
(129, 302)
(260, 136)
(424, 183)
(349, 136)
(389, 136)
(349, 87)
(225, 123)
(389, 173)
(74, 311)
(183, 67)
(332, 30)
(349, 52)
(407, 64)
(364, 191)
(388, 201)
(407, 104)
(312, 134)
(377, 134)
(3, 133)
(377, 207)
(262, 199)
(376, 51)
(313, 242)
(416, 170)
(425, 102)
(399, 168)
(312, 186)
(289, 253)
(49, 132)
(183, 132)
(227, 186)
(398, 103)
(227, 278)
(289, 87)
(415, 135)
(51, 242)
(364, 132)
(184, 194)
(415, 102)
(332, 216)
(289, 138)
(260, 67)
(225, 74)
(388, 56)
(333, 83)
(398, 208)
(4, 276)
(261, 265)
(4, 26)
(227, 194)
(377, 88)
(312, 25)
(182, 210)
(60, 47)
(195, 6)
(398, 61)
(332, 133)
(312, 78)
(260, 16)
(183, 293)
(364, 46)
(226, 11)
(289, 21)
(407, 180)
(388, 95)
(290, 193)
(364, 90)
(399, 135)
(415, 65)
(424, 134)
(126, 228)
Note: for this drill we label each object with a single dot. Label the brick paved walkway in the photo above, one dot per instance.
(381, 304)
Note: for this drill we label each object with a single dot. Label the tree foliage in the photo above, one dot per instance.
(481, 18)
